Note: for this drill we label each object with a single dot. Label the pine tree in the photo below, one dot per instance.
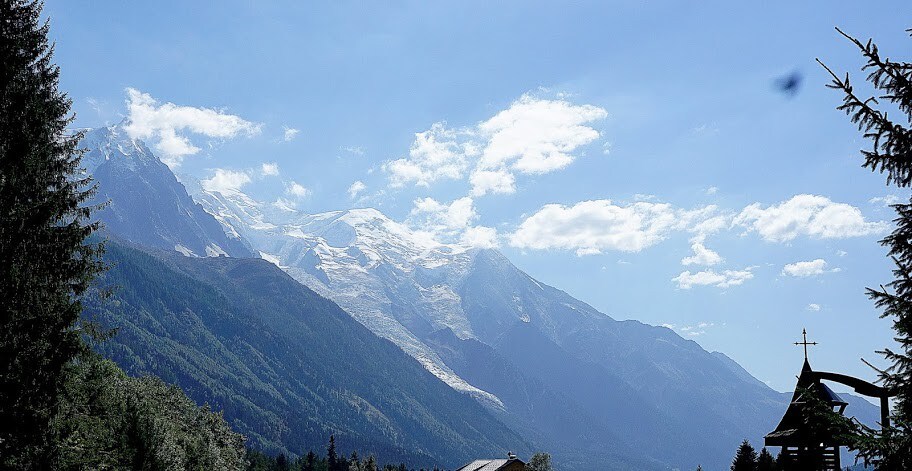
(765, 461)
(745, 458)
(46, 264)
(782, 462)
(890, 153)
(281, 463)
(332, 459)
(342, 464)
(539, 462)
(309, 462)
(354, 463)
(371, 464)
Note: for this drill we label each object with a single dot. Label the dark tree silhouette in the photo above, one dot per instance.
(765, 461)
(46, 265)
(890, 153)
(309, 462)
(745, 458)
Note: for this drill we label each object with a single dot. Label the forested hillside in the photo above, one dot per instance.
(287, 366)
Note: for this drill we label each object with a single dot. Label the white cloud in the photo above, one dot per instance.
(532, 136)
(841, 253)
(807, 215)
(725, 279)
(269, 169)
(692, 330)
(537, 136)
(596, 226)
(453, 222)
(294, 193)
(480, 236)
(297, 190)
(712, 190)
(809, 268)
(226, 181)
(356, 150)
(813, 307)
(591, 227)
(705, 129)
(492, 181)
(702, 256)
(887, 200)
(444, 218)
(706, 222)
(163, 125)
(356, 188)
(435, 154)
(289, 134)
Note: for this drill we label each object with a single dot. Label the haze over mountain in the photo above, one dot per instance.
(287, 366)
(565, 376)
(146, 203)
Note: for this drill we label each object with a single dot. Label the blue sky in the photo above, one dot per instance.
(637, 154)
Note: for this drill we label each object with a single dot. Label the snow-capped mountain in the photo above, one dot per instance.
(396, 283)
(570, 378)
(146, 203)
(473, 319)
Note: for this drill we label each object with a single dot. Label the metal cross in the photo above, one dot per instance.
(805, 343)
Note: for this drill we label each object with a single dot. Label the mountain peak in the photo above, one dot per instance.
(148, 205)
(366, 214)
(113, 144)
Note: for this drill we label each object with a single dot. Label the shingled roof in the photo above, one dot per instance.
(493, 465)
(793, 429)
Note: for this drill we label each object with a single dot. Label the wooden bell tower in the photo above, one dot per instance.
(807, 447)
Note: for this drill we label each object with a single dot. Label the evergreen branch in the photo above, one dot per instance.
(869, 50)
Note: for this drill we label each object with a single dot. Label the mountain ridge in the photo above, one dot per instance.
(486, 329)
(287, 366)
(144, 201)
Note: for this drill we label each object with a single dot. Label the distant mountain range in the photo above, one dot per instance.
(543, 364)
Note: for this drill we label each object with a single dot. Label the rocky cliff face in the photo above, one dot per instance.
(147, 204)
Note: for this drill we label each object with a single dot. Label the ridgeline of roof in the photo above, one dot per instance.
(793, 429)
(486, 465)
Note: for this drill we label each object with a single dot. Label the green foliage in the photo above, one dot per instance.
(539, 462)
(890, 153)
(62, 407)
(258, 461)
(45, 263)
(108, 420)
(745, 458)
(287, 367)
